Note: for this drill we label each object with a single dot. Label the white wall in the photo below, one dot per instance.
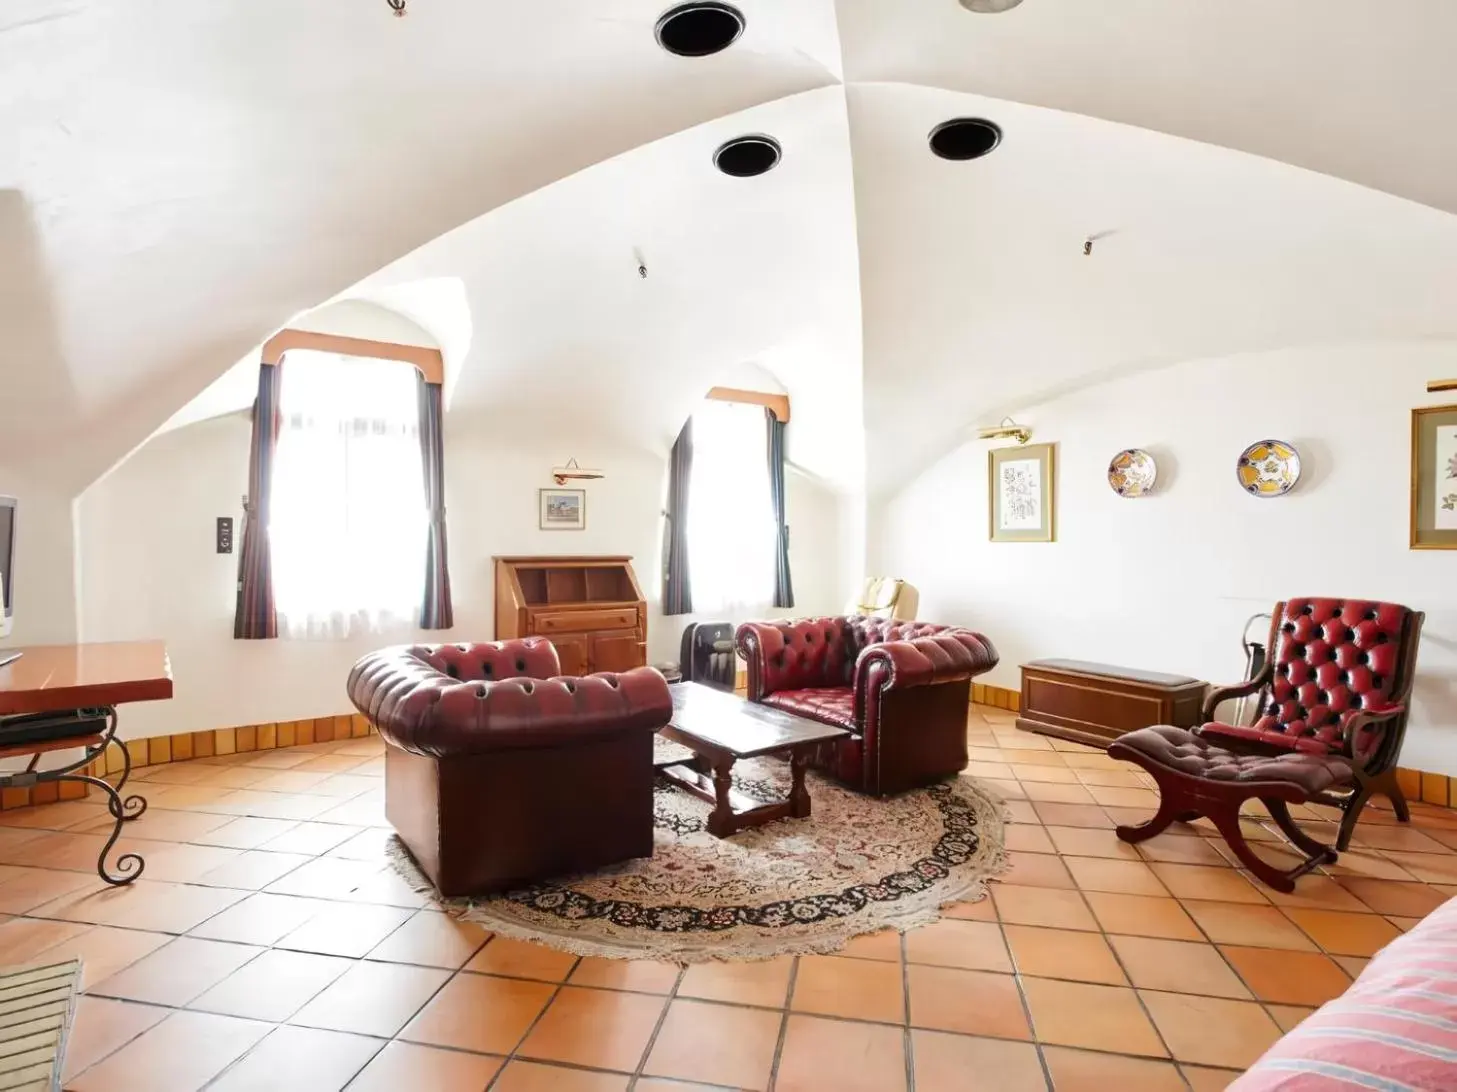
(1166, 582)
(149, 569)
(45, 574)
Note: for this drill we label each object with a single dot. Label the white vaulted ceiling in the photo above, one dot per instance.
(179, 179)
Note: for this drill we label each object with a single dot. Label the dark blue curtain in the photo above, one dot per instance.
(677, 594)
(256, 616)
(783, 585)
(435, 610)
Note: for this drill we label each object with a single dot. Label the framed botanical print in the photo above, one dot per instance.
(1434, 478)
(1022, 493)
(563, 509)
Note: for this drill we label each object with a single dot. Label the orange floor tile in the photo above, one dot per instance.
(269, 944)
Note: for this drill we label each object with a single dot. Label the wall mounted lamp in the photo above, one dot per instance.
(572, 472)
(1008, 429)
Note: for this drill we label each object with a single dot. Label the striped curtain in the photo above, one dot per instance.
(435, 610)
(677, 594)
(783, 585)
(256, 615)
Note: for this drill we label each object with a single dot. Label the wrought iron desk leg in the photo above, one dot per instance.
(123, 809)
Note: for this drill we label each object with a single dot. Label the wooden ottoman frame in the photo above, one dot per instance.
(1196, 778)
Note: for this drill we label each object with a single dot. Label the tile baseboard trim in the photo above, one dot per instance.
(999, 697)
(159, 750)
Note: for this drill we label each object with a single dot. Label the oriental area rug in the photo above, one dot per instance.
(858, 865)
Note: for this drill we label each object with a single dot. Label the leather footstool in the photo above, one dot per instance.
(1197, 778)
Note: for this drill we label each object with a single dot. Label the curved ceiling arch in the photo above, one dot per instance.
(177, 177)
(978, 297)
(1356, 90)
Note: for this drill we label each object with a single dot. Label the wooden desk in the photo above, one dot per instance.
(53, 677)
(64, 697)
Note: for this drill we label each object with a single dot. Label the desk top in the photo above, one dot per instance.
(51, 677)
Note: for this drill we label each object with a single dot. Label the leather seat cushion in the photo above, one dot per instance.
(1179, 749)
(827, 704)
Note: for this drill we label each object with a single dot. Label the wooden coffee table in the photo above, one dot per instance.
(721, 728)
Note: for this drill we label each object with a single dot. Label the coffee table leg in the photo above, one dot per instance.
(721, 820)
(798, 794)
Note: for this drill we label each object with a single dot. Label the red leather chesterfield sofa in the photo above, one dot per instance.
(902, 689)
(498, 773)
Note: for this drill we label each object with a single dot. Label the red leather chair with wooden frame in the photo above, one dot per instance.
(1333, 708)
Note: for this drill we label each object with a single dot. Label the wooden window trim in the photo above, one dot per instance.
(777, 403)
(429, 362)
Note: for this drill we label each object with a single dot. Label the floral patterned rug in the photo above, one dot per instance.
(857, 865)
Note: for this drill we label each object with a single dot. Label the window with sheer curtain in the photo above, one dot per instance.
(348, 518)
(731, 529)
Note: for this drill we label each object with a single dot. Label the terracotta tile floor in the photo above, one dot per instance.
(269, 945)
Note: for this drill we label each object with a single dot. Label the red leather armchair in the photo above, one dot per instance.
(499, 773)
(1335, 686)
(902, 689)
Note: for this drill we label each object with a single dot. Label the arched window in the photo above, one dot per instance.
(348, 513)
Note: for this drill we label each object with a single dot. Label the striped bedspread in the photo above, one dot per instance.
(1394, 1030)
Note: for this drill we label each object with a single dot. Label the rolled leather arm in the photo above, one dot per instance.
(948, 656)
(423, 710)
(756, 642)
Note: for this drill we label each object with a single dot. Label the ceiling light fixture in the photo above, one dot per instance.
(989, 7)
(747, 156)
(699, 29)
(398, 7)
(965, 138)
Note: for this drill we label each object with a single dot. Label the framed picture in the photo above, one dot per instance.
(1022, 493)
(1434, 478)
(563, 509)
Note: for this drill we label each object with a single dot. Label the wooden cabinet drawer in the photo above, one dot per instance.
(576, 621)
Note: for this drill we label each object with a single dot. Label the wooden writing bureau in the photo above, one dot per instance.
(590, 608)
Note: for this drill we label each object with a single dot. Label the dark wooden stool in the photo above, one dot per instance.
(1197, 778)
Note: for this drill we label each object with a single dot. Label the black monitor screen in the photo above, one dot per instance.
(7, 547)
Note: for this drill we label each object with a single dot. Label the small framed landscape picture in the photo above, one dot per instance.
(1434, 478)
(563, 509)
(1022, 493)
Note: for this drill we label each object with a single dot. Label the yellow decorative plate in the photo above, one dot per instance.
(1269, 468)
(1132, 473)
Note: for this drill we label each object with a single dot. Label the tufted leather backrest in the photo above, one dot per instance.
(445, 700)
(525, 658)
(1329, 660)
(816, 652)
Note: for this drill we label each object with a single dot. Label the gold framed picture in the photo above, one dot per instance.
(1434, 478)
(563, 509)
(1022, 493)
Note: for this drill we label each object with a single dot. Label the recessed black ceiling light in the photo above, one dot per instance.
(699, 29)
(965, 138)
(989, 7)
(746, 156)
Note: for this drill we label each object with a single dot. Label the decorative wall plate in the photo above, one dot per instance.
(1132, 473)
(1269, 468)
